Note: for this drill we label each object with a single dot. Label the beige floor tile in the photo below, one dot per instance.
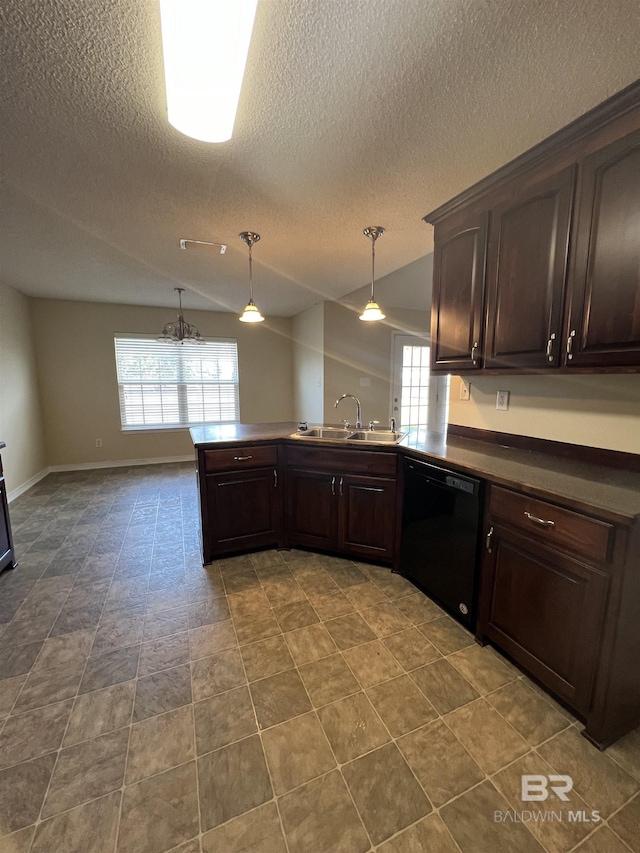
(222, 719)
(372, 663)
(20, 841)
(27, 631)
(446, 635)
(211, 639)
(256, 626)
(443, 686)
(429, 834)
(483, 668)
(352, 727)
(18, 660)
(163, 653)
(297, 751)
(486, 735)
(328, 679)
(470, 819)
(320, 816)
(160, 743)
(528, 712)
(34, 733)
(208, 612)
(385, 791)
(411, 649)
(343, 572)
(165, 623)
(311, 643)
(256, 832)
(602, 841)
(332, 605)
(283, 590)
(240, 580)
(298, 614)
(418, 608)
(267, 657)
(217, 674)
(442, 765)
(626, 823)
(394, 586)
(385, 619)
(46, 686)
(278, 698)
(232, 781)
(86, 771)
(66, 650)
(558, 835)
(626, 752)
(365, 595)
(22, 791)
(261, 559)
(249, 601)
(161, 692)
(602, 783)
(9, 691)
(351, 630)
(401, 706)
(315, 581)
(159, 813)
(100, 712)
(91, 827)
(117, 635)
(111, 668)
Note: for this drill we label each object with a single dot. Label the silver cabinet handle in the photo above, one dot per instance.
(474, 350)
(341, 485)
(488, 540)
(544, 522)
(241, 458)
(550, 346)
(333, 485)
(368, 489)
(572, 335)
(275, 478)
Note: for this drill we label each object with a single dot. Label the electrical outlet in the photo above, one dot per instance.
(365, 383)
(98, 442)
(465, 389)
(502, 401)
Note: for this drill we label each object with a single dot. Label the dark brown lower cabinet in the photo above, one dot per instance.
(312, 509)
(7, 554)
(366, 518)
(546, 611)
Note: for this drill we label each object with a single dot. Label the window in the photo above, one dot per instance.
(419, 399)
(163, 385)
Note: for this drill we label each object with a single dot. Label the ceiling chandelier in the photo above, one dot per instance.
(251, 314)
(178, 333)
(372, 309)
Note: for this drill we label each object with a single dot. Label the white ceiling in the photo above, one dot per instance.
(353, 113)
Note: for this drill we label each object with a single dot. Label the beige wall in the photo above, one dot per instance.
(599, 411)
(77, 374)
(307, 331)
(20, 417)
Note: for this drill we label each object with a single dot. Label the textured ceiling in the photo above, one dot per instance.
(353, 112)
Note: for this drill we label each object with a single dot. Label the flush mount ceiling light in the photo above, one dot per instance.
(205, 45)
(178, 333)
(372, 309)
(251, 314)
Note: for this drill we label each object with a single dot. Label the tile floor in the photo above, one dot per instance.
(272, 703)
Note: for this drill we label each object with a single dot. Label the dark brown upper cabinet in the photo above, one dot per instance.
(604, 316)
(527, 265)
(457, 317)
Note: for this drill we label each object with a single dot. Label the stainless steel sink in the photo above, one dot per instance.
(332, 433)
(377, 436)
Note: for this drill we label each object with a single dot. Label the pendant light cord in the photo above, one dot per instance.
(373, 266)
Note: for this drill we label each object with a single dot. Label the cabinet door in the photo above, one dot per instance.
(312, 508)
(367, 518)
(545, 610)
(242, 511)
(604, 323)
(6, 544)
(458, 293)
(527, 262)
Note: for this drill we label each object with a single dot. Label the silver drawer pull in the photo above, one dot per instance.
(241, 458)
(369, 489)
(333, 485)
(545, 522)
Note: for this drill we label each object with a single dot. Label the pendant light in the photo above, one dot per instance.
(178, 333)
(372, 309)
(251, 314)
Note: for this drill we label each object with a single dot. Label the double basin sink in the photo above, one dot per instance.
(364, 436)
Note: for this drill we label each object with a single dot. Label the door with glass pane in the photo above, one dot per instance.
(418, 399)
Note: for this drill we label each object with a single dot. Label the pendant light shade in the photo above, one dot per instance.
(251, 313)
(178, 333)
(205, 45)
(372, 310)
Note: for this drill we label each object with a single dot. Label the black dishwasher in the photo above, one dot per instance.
(440, 536)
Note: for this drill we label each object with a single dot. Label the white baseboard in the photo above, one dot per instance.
(85, 466)
(23, 487)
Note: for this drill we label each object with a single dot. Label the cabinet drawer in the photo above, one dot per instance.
(554, 525)
(242, 456)
(341, 461)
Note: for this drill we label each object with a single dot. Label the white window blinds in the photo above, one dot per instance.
(162, 385)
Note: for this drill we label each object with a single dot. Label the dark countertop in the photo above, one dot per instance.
(613, 494)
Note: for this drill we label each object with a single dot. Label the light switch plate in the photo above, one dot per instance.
(465, 389)
(502, 401)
